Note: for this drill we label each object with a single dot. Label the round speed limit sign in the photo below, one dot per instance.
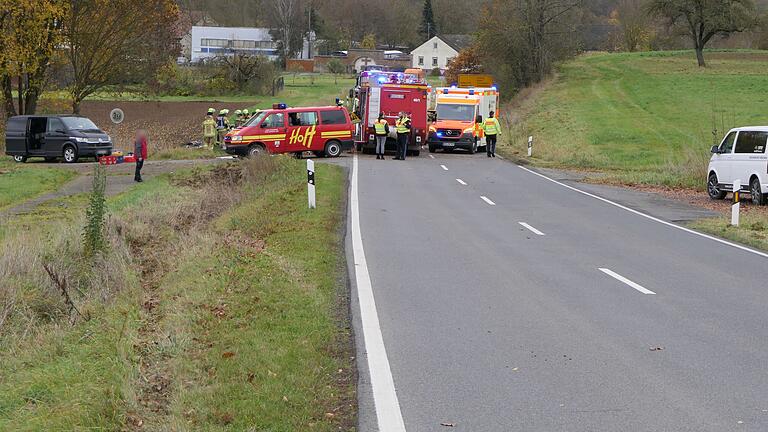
(117, 116)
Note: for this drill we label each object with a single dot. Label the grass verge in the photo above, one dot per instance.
(752, 229)
(229, 315)
(19, 182)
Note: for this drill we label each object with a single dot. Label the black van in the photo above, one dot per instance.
(54, 136)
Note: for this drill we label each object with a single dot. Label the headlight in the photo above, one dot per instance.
(236, 138)
(79, 139)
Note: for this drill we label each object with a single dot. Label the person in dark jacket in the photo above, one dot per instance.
(140, 152)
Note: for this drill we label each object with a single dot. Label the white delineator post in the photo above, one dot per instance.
(311, 182)
(530, 146)
(735, 206)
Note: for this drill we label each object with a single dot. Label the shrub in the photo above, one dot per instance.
(93, 235)
(435, 72)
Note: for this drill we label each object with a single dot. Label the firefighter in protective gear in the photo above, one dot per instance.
(209, 130)
(238, 119)
(492, 130)
(403, 127)
(222, 125)
(381, 130)
(246, 116)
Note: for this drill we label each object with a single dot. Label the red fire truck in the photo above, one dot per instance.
(391, 93)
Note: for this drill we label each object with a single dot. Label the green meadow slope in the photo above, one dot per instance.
(641, 117)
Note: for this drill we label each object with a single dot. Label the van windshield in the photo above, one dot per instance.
(465, 113)
(255, 120)
(80, 124)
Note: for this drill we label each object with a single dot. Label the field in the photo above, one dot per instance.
(642, 118)
(216, 306)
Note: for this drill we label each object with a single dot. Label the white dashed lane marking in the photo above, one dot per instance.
(461, 182)
(531, 229)
(485, 198)
(621, 278)
(445, 168)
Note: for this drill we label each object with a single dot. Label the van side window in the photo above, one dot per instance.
(55, 124)
(751, 142)
(727, 144)
(303, 118)
(333, 117)
(17, 124)
(275, 120)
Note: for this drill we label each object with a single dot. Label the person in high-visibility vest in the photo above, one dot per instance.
(403, 127)
(209, 129)
(381, 129)
(492, 130)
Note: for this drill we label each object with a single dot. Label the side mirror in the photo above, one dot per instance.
(263, 126)
(715, 150)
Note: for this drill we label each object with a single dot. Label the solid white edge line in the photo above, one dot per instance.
(444, 167)
(461, 182)
(647, 216)
(388, 413)
(531, 229)
(485, 198)
(621, 278)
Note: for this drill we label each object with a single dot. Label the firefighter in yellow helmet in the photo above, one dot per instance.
(492, 130)
(209, 129)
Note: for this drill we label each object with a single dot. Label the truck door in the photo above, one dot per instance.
(273, 132)
(302, 132)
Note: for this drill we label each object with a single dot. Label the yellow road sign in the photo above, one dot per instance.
(475, 80)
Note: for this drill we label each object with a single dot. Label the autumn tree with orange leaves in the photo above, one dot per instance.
(466, 62)
(30, 31)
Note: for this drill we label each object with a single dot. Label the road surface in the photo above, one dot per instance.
(490, 298)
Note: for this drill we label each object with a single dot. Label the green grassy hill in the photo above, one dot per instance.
(643, 117)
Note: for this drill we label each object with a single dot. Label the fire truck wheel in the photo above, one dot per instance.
(255, 150)
(332, 149)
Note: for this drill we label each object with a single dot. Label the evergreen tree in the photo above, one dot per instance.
(428, 27)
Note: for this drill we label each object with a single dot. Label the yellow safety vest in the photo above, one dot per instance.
(401, 125)
(491, 126)
(380, 127)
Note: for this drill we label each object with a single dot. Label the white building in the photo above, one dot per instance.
(438, 51)
(209, 42)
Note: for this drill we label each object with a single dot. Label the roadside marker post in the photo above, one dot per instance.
(530, 146)
(735, 206)
(311, 182)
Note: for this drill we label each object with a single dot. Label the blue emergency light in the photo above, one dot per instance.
(382, 79)
(471, 92)
(279, 106)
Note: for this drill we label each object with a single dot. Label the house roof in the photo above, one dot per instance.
(457, 41)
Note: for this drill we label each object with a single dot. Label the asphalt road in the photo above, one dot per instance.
(490, 326)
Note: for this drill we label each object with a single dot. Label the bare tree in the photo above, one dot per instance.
(704, 19)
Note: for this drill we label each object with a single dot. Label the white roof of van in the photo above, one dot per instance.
(751, 128)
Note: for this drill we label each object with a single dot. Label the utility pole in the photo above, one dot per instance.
(309, 35)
